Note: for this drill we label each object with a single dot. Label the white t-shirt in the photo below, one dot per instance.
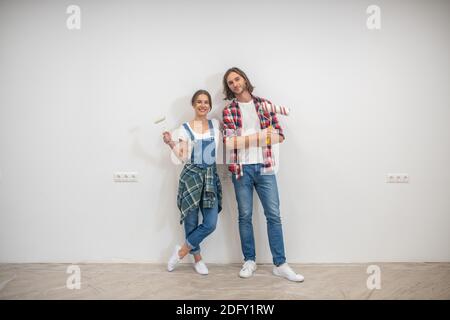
(182, 134)
(250, 125)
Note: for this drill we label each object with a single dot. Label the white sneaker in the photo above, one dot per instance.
(247, 269)
(174, 259)
(286, 272)
(201, 268)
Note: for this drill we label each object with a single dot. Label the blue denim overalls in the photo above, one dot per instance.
(204, 156)
(203, 150)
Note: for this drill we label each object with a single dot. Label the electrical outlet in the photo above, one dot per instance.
(125, 177)
(397, 178)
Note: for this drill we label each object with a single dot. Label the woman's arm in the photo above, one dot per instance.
(179, 149)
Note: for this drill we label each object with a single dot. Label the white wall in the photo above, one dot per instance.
(76, 106)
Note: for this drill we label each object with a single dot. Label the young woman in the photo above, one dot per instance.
(199, 185)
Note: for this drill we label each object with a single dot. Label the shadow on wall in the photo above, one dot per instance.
(214, 84)
(157, 158)
(167, 215)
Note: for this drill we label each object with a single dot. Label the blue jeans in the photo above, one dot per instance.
(267, 190)
(196, 233)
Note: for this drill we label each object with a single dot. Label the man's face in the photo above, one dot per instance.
(236, 83)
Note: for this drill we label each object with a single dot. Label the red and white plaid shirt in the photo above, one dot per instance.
(232, 126)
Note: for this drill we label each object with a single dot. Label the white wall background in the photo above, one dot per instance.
(76, 106)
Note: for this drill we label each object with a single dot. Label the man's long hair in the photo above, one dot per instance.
(229, 95)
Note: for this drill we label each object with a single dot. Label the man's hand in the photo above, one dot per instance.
(270, 136)
(267, 135)
(267, 132)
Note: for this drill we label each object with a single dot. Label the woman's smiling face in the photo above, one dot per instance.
(201, 105)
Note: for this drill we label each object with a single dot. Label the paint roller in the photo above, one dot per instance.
(275, 109)
(268, 107)
(161, 121)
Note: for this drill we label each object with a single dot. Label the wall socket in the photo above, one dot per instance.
(397, 178)
(125, 177)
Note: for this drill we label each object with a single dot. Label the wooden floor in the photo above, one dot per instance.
(152, 281)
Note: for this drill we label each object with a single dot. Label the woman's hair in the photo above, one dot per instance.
(199, 92)
(229, 95)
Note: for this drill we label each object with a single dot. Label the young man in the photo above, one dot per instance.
(249, 133)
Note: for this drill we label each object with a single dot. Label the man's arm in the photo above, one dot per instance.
(268, 136)
(275, 124)
(229, 128)
(260, 139)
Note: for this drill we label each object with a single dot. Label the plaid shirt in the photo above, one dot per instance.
(198, 185)
(232, 126)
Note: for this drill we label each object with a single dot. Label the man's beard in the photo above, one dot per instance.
(242, 90)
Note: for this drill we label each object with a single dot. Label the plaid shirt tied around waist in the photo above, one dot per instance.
(198, 184)
(232, 126)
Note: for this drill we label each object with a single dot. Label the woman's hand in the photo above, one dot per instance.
(167, 137)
